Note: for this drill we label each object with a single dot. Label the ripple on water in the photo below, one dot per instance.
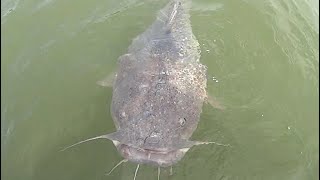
(7, 7)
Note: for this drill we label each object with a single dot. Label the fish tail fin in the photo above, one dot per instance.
(173, 10)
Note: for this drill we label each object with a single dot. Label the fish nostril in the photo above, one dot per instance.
(182, 121)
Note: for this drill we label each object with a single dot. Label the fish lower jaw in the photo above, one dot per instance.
(158, 158)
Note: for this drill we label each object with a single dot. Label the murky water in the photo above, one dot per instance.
(264, 55)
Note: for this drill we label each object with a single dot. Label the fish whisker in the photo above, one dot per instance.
(211, 142)
(122, 161)
(136, 172)
(159, 173)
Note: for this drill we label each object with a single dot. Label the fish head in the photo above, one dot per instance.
(160, 157)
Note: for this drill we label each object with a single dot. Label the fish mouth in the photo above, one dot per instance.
(155, 157)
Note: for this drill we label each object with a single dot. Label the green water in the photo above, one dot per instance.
(264, 55)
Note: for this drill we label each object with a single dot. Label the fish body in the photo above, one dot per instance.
(159, 90)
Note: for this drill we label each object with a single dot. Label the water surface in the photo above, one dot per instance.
(262, 59)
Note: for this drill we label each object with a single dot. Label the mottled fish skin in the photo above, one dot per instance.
(160, 85)
(169, 37)
(158, 92)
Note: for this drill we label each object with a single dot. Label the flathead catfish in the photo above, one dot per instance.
(158, 91)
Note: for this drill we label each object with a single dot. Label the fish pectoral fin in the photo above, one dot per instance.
(214, 102)
(107, 81)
